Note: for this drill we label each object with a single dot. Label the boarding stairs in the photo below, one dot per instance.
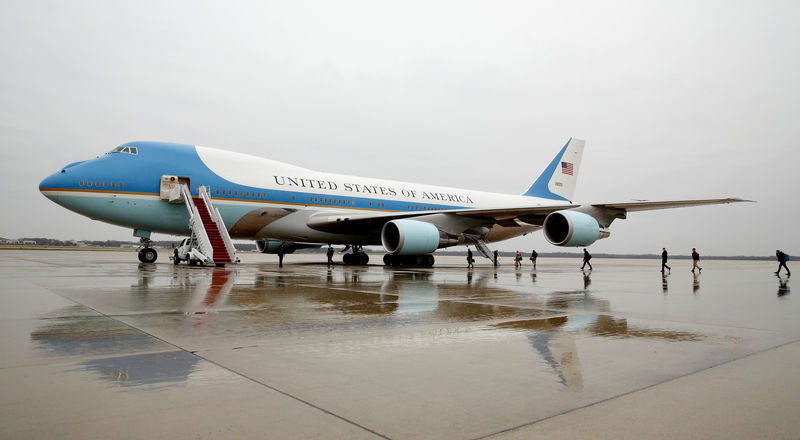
(208, 227)
(480, 244)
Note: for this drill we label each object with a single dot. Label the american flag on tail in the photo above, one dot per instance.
(566, 168)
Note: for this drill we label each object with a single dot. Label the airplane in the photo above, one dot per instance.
(174, 188)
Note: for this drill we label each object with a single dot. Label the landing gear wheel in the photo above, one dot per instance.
(148, 255)
(357, 257)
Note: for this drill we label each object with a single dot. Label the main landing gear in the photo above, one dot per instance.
(408, 260)
(146, 253)
(358, 257)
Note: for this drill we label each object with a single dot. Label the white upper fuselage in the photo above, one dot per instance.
(268, 174)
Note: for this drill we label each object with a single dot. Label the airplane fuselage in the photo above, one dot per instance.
(258, 198)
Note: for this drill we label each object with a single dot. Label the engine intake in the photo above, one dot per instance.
(271, 247)
(572, 228)
(413, 237)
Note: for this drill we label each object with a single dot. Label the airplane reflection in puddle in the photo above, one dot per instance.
(73, 333)
(554, 337)
(280, 300)
(81, 336)
(150, 369)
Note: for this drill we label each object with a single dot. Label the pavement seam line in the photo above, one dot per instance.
(251, 379)
(608, 399)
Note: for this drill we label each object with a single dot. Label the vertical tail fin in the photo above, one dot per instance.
(557, 181)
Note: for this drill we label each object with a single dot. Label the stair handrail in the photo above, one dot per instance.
(196, 224)
(481, 246)
(216, 217)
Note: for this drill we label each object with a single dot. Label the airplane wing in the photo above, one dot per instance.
(348, 222)
(647, 205)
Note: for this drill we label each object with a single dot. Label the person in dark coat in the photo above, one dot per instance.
(470, 260)
(664, 260)
(281, 253)
(782, 262)
(496, 260)
(330, 255)
(696, 260)
(533, 257)
(586, 257)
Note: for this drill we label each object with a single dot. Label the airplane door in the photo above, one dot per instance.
(169, 183)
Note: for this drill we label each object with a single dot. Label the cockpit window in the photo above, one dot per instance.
(124, 149)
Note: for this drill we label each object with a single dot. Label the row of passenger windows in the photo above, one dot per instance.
(259, 195)
(312, 199)
(229, 192)
(99, 184)
(422, 208)
(333, 201)
(105, 184)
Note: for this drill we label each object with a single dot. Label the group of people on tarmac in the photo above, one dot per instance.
(782, 258)
(695, 261)
(780, 255)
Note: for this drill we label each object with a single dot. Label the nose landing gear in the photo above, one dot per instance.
(146, 253)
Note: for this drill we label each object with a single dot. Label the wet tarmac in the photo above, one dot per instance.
(96, 344)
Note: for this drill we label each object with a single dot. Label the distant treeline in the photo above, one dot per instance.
(38, 241)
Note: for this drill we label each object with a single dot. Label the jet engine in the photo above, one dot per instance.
(572, 228)
(413, 237)
(271, 247)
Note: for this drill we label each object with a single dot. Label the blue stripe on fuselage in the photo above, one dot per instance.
(141, 174)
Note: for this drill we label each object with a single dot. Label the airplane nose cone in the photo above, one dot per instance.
(49, 182)
(63, 179)
(54, 182)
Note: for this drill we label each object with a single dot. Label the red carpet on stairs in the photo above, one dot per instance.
(220, 253)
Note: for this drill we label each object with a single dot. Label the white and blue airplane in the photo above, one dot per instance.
(278, 204)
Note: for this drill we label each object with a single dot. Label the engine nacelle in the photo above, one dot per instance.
(412, 237)
(271, 247)
(572, 228)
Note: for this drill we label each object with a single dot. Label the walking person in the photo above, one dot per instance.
(281, 253)
(470, 260)
(664, 260)
(696, 261)
(496, 260)
(782, 262)
(586, 257)
(330, 255)
(533, 257)
(517, 260)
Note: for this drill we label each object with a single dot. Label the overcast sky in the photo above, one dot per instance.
(676, 100)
